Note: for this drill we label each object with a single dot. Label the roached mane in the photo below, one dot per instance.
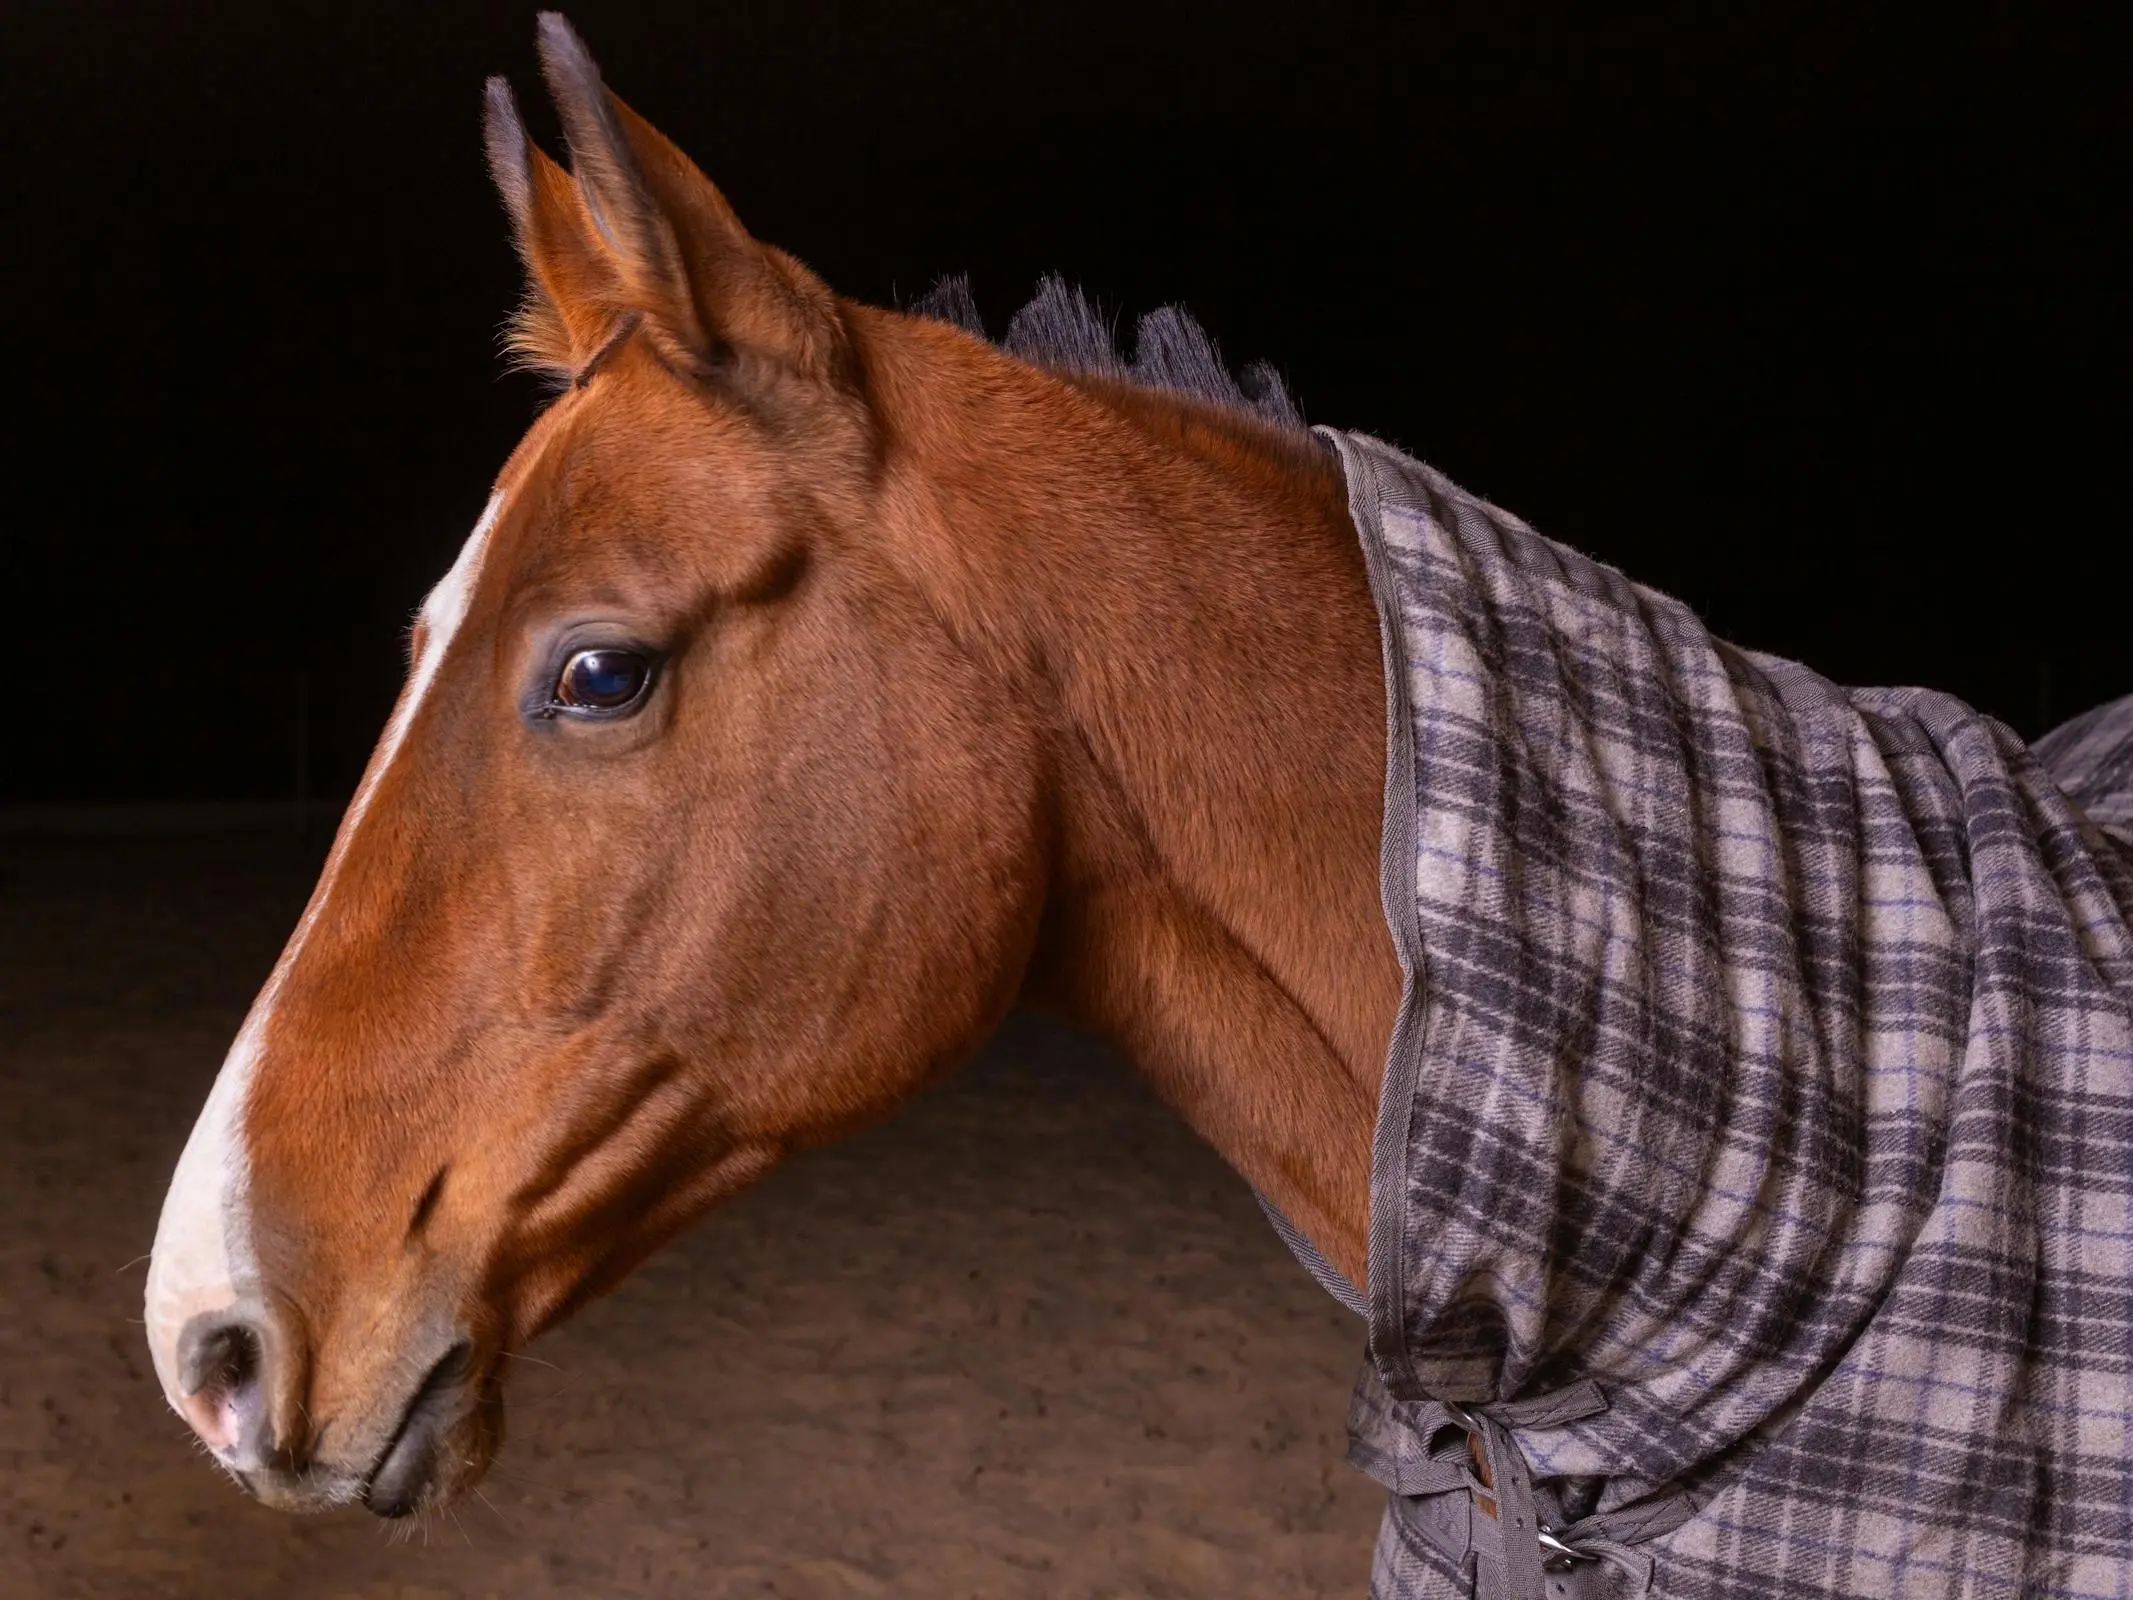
(1061, 328)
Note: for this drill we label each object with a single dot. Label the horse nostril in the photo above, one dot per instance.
(222, 1360)
(221, 1353)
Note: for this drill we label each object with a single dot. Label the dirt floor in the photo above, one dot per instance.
(1030, 1339)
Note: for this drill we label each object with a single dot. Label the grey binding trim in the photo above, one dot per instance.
(1329, 1277)
(1396, 890)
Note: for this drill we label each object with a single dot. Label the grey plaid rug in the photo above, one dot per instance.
(1756, 1158)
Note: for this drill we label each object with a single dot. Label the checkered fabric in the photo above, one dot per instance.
(2092, 757)
(1766, 1063)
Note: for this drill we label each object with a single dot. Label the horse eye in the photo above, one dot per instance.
(602, 680)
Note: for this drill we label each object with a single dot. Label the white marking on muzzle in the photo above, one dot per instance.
(204, 1259)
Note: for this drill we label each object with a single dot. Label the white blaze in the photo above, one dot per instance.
(203, 1257)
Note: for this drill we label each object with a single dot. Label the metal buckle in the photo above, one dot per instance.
(1561, 1557)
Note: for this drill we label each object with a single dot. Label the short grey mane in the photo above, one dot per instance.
(1062, 328)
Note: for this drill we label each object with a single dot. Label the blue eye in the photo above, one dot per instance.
(602, 680)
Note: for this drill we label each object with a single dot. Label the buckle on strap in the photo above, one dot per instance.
(1557, 1555)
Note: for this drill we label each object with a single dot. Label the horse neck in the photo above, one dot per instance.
(1182, 597)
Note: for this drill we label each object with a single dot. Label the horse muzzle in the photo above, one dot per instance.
(241, 1373)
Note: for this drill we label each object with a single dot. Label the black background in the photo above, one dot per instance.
(1818, 322)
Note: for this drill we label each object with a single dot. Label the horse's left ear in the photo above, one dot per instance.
(672, 249)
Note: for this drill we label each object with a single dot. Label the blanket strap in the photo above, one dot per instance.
(1475, 1501)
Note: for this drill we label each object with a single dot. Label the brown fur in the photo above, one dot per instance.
(980, 685)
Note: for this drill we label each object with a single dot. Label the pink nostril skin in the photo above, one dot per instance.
(221, 1374)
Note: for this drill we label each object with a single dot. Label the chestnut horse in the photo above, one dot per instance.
(819, 683)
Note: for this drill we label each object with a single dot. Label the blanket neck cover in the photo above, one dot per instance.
(1754, 1173)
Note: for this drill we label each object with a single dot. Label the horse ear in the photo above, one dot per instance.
(669, 247)
(573, 293)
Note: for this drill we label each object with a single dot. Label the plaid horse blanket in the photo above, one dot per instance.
(1752, 1204)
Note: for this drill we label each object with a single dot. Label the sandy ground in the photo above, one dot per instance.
(1030, 1339)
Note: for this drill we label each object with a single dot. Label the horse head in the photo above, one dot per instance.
(696, 836)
